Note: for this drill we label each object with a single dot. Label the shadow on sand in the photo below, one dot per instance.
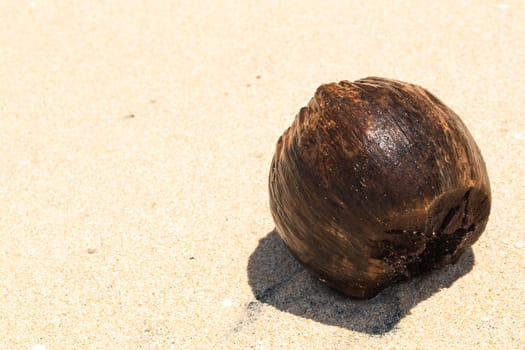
(277, 279)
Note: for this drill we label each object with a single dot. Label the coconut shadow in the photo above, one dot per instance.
(277, 279)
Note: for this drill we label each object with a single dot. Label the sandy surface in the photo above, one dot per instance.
(136, 139)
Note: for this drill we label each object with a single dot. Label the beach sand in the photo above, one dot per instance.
(136, 140)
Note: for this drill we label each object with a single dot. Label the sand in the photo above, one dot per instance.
(136, 139)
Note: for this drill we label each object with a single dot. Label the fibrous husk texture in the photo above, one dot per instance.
(377, 181)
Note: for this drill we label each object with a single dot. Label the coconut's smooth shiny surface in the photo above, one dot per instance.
(377, 181)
